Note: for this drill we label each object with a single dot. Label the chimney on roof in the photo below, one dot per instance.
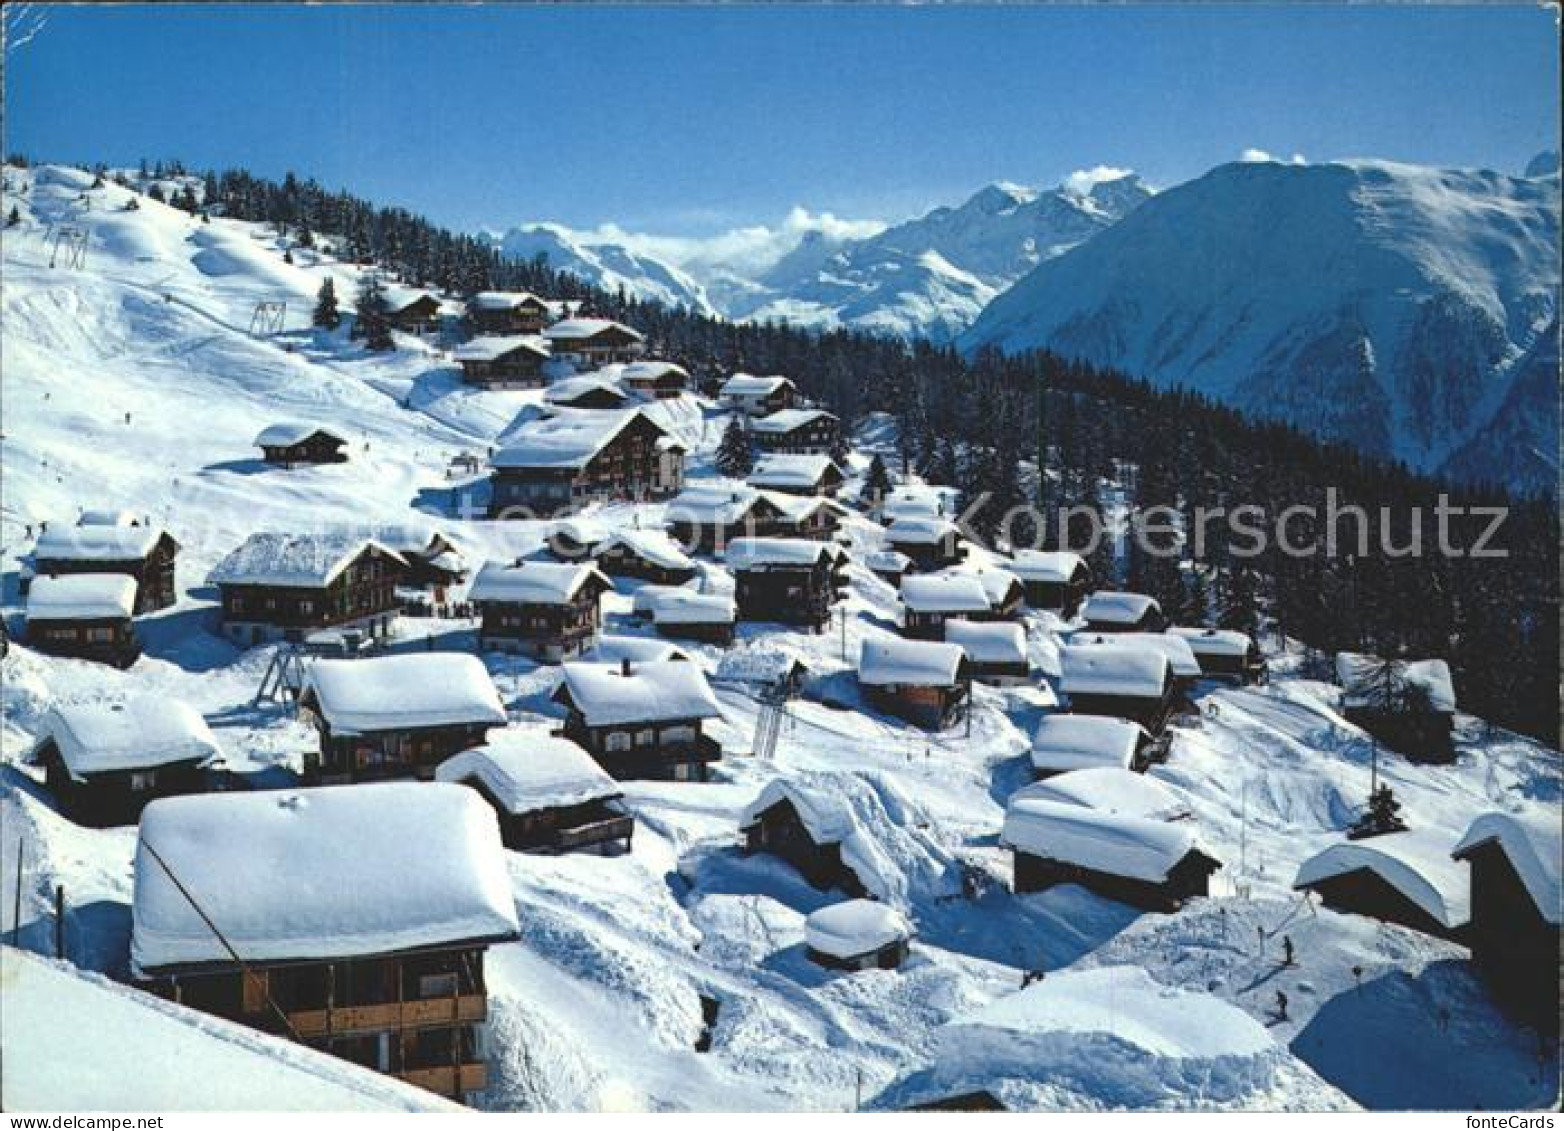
(624, 665)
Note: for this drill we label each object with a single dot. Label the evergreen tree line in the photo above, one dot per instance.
(1049, 433)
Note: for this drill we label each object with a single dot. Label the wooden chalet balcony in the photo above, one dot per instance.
(595, 832)
(349, 1019)
(448, 1079)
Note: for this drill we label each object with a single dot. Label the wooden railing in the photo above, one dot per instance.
(390, 1015)
(609, 828)
(449, 1079)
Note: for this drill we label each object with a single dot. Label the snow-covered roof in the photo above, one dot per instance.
(712, 503)
(582, 329)
(95, 737)
(586, 384)
(749, 385)
(761, 661)
(96, 543)
(410, 539)
(1111, 789)
(1533, 848)
(530, 582)
(773, 553)
(920, 530)
(399, 296)
(1214, 641)
(108, 518)
(887, 561)
(411, 864)
(492, 347)
(855, 927)
(301, 561)
(654, 546)
(81, 596)
(1360, 676)
(610, 649)
(988, 642)
(647, 594)
(788, 419)
(913, 500)
(1180, 656)
(77, 1039)
(886, 659)
(876, 827)
(651, 370)
(800, 508)
(1078, 742)
(1102, 669)
(528, 768)
(567, 438)
(1417, 863)
(1108, 607)
(685, 606)
(1056, 566)
(944, 593)
(1113, 843)
(784, 470)
(416, 689)
(505, 300)
(285, 434)
(659, 691)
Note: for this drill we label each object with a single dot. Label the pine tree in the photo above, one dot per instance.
(373, 321)
(326, 315)
(876, 484)
(734, 458)
(155, 192)
(287, 255)
(13, 218)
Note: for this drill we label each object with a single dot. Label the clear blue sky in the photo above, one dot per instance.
(691, 120)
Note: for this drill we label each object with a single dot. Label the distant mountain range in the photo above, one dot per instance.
(1410, 311)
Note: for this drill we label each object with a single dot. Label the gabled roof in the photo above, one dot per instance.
(685, 606)
(612, 649)
(529, 582)
(415, 689)
(1359, 676)
(584, 329)
(944, 593)
(495, 346)
(1077, 742)
(1533, 848)
(713, 504)
(886, 659)
(81, 596)
(1118, 845)
(285, 434)
(652, 370)
(988, 642)
(1102, 669)
(108, 518)
(527, 768)
(789, 420)
(587, 384)
(97, 543)
(1416, 863)
(1214, 641)
(780, 470)
(653, 546)
(144, 732)
(661, 691)
(505, 300)
(1108, 607)
(567, 438)
(749, 385)
(920, 530)
(296, 561)
(399, 296)
(855, 927)
(745, 554)
(1181, 658)
(1111, 789)
(1054, 566)
(412, 864)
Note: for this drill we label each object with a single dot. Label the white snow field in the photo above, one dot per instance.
(133, 383)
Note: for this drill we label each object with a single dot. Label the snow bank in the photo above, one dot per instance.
(413, 690)
(331, 872)
(528, 768)
(137, 733)
(1533, 846)
(1112, 843)
(81, 596)
(855, 927)
(76, 1041)
(1077, 742)
(1417, 863)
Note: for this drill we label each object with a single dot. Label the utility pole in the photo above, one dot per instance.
(59, 920)
(16, 905)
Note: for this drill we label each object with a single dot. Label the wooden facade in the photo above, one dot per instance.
(933, 707)
(662, 750)
(417, 1015)
(664, 384)
(156, 586)
(1513, 945)
(1151, 712)
(520, 367)
(779, 831)
(887, 957)
(116, 797)
(420, 316)
(1062, 597)
(818, 435)
(362, 594)
(318, 447)
(639, 462)
(603, 827)
(797, 595)
(1421, 735)
(107, 640)
(613, 344)
(1189, 878)
(547, 631)
(526, 314)
(621, 560)
(384, 755)
(1364, 892)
